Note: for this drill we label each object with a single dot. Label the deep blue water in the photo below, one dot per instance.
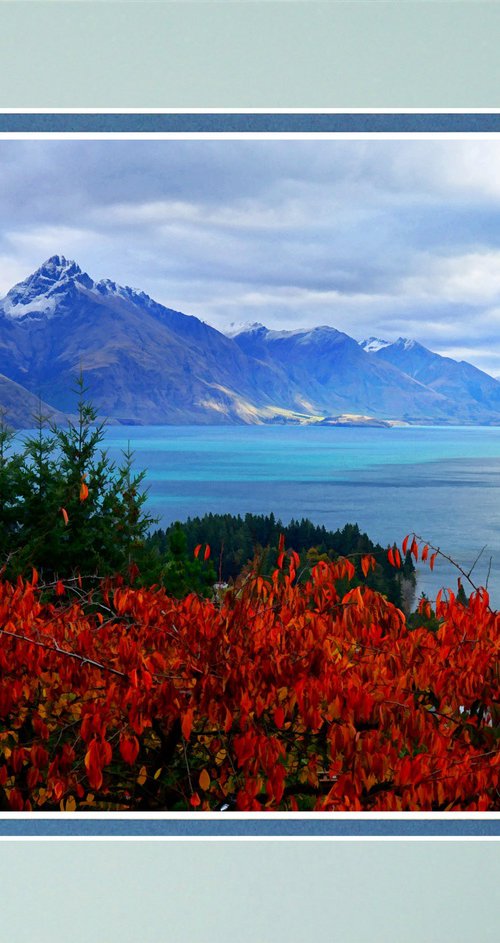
(443, 483)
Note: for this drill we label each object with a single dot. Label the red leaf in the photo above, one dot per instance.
(129, 748)
(279, 717)
(187, 723)
(207, 552)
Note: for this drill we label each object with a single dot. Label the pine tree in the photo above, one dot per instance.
(65, 507)
(101, 504)
(10, 467)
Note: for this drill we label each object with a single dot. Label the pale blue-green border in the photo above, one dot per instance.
(293, 54)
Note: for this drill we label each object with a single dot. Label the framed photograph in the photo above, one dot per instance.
(249, 468)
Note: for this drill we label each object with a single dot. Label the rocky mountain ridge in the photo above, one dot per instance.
(146, 363)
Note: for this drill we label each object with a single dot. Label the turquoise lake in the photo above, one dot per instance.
(442, 483)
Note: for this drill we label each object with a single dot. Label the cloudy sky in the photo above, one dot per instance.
(251, 892)
(373, 237)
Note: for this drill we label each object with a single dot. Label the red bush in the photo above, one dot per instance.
(284, 695)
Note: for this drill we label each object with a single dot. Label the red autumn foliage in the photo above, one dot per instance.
(284, 695)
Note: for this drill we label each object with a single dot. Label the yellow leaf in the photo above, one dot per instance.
(158, 771)
(204, 780)
(143, 775)
(70, 804)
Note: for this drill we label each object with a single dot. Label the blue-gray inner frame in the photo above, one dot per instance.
(239, 122)
(264, 825)
(291, 121)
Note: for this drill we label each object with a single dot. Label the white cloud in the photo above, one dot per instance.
(471, 278)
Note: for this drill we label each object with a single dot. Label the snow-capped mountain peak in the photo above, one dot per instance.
(39, 294)
(373, 344)
(406, 343)
(244, 327)
(108, 287)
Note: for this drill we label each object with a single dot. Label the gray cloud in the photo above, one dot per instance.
(372, 237)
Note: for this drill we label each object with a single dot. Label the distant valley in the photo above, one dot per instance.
(144, 363)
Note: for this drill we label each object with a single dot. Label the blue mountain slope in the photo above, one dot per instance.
(457, 380)
(146, 363)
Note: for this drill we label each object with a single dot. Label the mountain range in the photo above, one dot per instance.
(146, 363)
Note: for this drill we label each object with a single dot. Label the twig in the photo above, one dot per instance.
(477, 558)
(62, 651)
(488, 573)
(187, 766)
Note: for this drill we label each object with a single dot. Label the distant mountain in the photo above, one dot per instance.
(477, 392)
(19, 407)
(146, 363)
(335, 374)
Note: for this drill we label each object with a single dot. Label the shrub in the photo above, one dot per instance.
(285, 695)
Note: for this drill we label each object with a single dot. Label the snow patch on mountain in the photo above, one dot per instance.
(406, 343)
(372, 344)
(245, 327)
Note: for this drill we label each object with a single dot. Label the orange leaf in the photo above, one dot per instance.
(204, 780)
(432, 559)
(84, 491)
(196, 551)
(390, 556)
(65, 515)
(405, 544)
(207, 552)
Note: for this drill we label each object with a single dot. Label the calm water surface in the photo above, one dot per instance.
(443, 483)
